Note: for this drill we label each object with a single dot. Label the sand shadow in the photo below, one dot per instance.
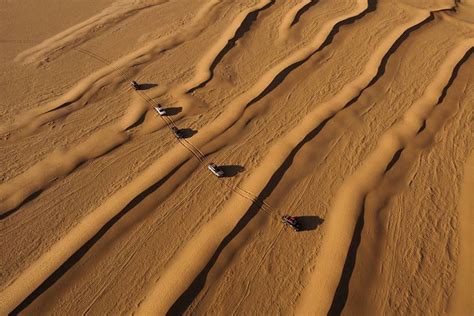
(309, 222)
(342, 291)
(303, 10)
(394, 160)
(185, 300)
(81, 252)
(372, 6)
(173, 110)
(187, 132)
(30, 198)
(137, 123)
(146, 86)
(241, 31)
(231, 170)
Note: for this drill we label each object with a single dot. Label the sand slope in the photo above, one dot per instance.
(357, 117)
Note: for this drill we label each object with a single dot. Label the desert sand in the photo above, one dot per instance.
(356, 116)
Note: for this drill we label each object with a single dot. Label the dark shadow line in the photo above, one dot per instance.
(65, 104)
(394, 160)
(454, 74)
(309, 222)
(450, 82)
(303, 11)
(342, 291)
(284, 73)
(73, 259)
(422, 128)
(37, 193)
(396, 45)
(391, 51)
(137, 123)
(185, 300)
(243, 28)
(30, 198)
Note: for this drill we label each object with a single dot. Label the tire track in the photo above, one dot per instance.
(8, 229)
(382, 207)
(461, 303)
(209, 290)
(133, 245)
(133, 249)
(154, 226)
(81, 32)
(13, 193)
(39, 271)
(87, 86)
(205, 67)
(55, 165)
(257, 268)
(177, 278)
(61, 162)
(349, 201)
(203, 246)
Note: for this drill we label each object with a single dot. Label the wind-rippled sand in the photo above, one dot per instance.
(355, 116)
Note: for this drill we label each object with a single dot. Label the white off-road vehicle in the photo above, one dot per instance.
(216, 170)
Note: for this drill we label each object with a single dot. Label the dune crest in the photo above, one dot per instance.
(341, 222)
(79, 33)
(353, 117)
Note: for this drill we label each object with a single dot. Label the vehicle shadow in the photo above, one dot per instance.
(146, 86)
(309, 222)
(187, 132)
(173, 110)
(231, 170)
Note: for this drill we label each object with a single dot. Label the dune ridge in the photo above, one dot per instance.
(203, 69)
(354, 118)
(87, 86)
(289, 19)
(348, 203)
(16, 195)
(167, 286)
(28, 280)
(274, 159)
(57, 164)
(79, 33)
(461, 302)
(62, 161)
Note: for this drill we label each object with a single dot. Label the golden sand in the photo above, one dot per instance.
(356, 116)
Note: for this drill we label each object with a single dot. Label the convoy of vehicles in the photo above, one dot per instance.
(288, 220)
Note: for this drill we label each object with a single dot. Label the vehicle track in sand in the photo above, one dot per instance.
(431, 218)
(231, 32)
(107, 249)
(81, 32)
(92, 83)
(275, 157)
(342, 218)
(85, 230)
(19, 189)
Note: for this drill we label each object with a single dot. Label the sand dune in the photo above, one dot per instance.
(79, 33)
(350, 198)
(290, 18)
(314, 109)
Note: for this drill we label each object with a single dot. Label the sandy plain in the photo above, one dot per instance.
(354, 115)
